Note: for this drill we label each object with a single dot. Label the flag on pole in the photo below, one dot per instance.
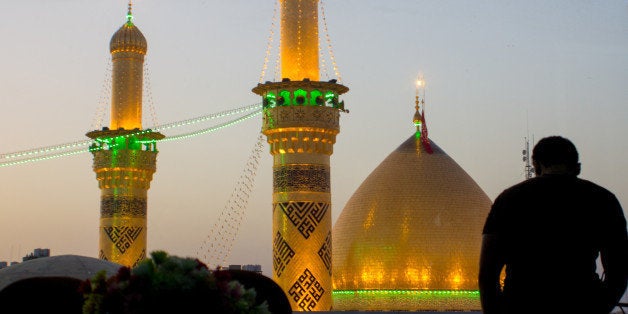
(424, 139)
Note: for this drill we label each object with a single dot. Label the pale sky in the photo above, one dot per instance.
(496, 72)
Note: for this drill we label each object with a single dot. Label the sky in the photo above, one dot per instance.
(496, 72)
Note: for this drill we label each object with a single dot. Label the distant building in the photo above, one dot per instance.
(249, 267)
(256, 268)
(37, 253)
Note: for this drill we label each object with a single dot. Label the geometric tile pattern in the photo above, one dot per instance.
(282, 254)
(123, 237)
(306, 291)
(295, 177)
(140, 258)
(304, 215)
(325, 253)
(301, 139)
(139, 160)
(283, 116)
(122, 206)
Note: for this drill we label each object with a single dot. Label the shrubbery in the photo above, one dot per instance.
(169, 284)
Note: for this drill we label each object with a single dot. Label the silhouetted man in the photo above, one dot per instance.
(548, 232)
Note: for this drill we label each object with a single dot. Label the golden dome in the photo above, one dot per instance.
(409, 237)
(128, 39)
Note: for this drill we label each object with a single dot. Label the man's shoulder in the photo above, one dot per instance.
(521, 187)
(593, 187)
(515, 194)
(541, 183)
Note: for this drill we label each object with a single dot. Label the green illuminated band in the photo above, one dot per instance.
(419, 300)
(124, 163)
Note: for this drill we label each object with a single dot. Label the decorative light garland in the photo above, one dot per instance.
(221, 114)
(217, 246)
(211, 129)
(270, 42)
(149, 93)
(41, 158)
(105, 94)
(418, 292)
(33, 155)
(328, 39)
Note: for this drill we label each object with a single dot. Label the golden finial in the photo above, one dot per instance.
(129, 14)
(418, 101)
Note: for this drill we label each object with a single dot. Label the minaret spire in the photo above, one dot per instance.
(125, 155)
(299, 39)
(301, 120)
(129, 14)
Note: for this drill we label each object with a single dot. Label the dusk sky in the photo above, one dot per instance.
(496, 72)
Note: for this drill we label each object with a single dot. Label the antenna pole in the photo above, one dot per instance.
(528, 169)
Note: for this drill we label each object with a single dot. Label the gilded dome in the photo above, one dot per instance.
(409, 237)
(128, 39)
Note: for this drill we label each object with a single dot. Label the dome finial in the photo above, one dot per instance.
(128, 38)
(129, 14)
(418, 101)
(419, 116)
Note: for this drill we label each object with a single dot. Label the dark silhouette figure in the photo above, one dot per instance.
(543, 238)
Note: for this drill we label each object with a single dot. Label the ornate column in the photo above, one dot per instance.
(301, 121)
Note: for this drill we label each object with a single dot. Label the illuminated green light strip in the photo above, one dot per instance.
(41, 158)
(113, 139)
(44, 150)
(417, 292)
(49, 149)
(407, 300)
(221, 114)
(212, 129)
(171, 138)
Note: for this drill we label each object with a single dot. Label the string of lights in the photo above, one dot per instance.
(212, 116)
(217, 246)
(269, 46)
(211, 129)
(149, 93)
(103, 101)
(73, 148)
(328, 40)
(42, 158)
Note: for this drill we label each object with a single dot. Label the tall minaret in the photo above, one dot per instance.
(301, 120)
(125, 155)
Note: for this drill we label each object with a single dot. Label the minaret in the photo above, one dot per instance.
(125, 155)
(301, 121)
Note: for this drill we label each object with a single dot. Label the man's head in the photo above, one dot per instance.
(555, 155)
